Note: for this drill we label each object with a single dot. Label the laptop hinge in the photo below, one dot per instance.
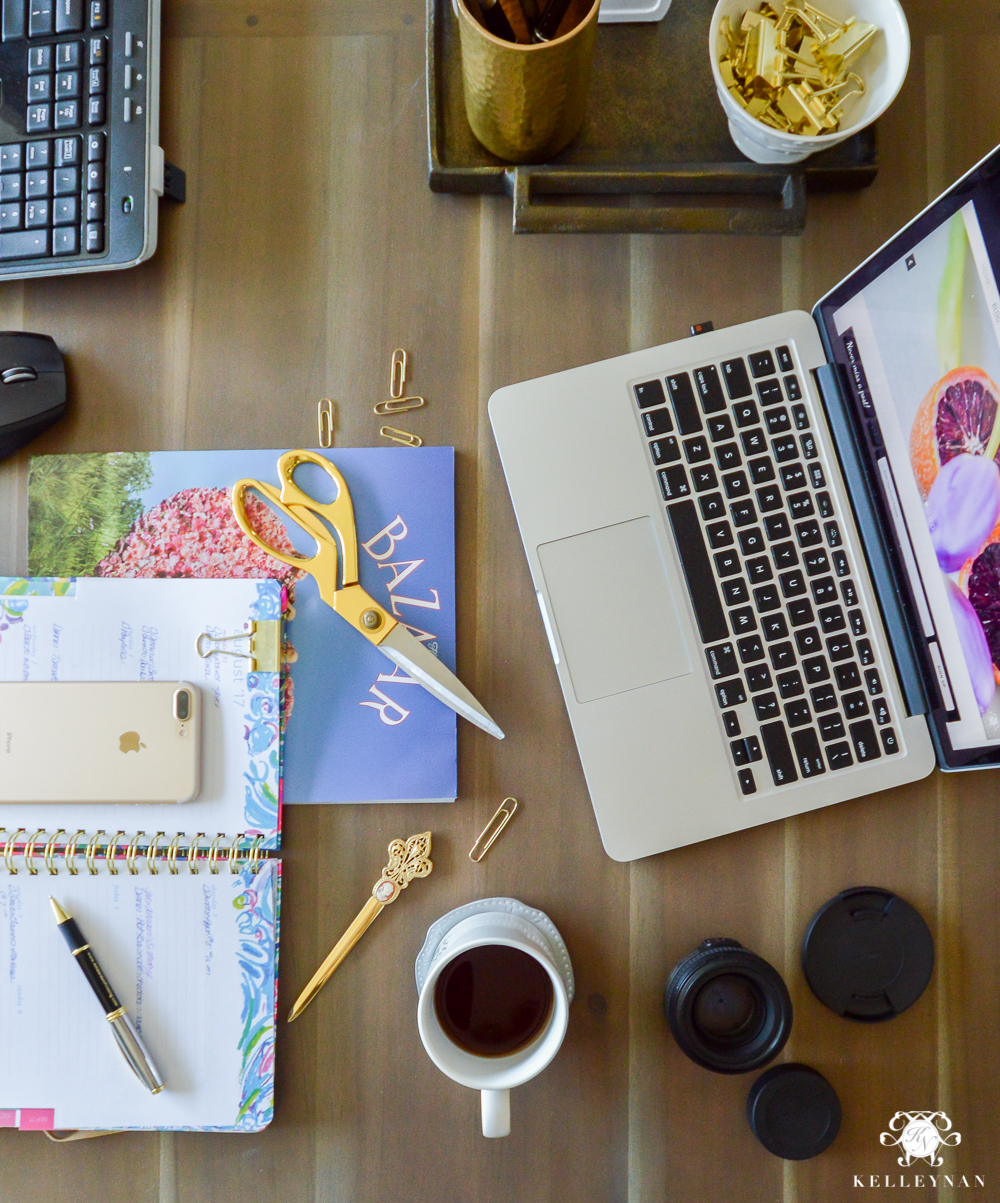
(891, 585)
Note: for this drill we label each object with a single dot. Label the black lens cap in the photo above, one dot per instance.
(794, 1111)
(867, 954)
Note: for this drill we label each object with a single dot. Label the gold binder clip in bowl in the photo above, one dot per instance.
(401, 436)
(398, 405)
(493, 828)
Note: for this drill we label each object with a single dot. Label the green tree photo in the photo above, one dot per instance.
(80, 506)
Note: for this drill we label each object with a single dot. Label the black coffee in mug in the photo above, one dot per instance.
(493, 1000)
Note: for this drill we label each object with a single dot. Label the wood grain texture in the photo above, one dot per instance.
(310, 247)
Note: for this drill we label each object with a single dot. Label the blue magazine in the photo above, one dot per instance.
(358, 729)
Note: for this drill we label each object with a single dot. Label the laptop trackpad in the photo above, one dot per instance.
(614, 610)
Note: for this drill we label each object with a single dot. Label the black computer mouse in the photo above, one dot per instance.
(32, 388)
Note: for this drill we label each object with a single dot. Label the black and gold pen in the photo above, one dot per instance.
(128, 1039)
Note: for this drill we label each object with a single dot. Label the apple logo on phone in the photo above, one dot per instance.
(129, 742)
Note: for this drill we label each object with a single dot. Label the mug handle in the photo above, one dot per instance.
(496, 1112)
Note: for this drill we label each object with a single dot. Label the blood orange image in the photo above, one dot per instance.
(957, 416)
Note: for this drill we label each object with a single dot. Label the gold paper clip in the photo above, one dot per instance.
(493, 828)
(401, 436)
(398, 405)
(397, 373)
(265, 645)
(324, 420)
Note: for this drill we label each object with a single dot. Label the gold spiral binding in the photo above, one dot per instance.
(91, 852)
(192, 854)
(8, 852)
(172, 849)
(151, 854)
(213, 853)
(69, 853)
(29, 852)
(253, 856)
(50, 848)
(111, 853)
(234, 852)
(132, 851)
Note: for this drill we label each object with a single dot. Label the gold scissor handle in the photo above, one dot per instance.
(339, 512)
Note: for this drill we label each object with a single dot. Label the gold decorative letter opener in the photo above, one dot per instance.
(406, 861)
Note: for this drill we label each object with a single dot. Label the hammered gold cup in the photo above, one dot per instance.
(525, 103)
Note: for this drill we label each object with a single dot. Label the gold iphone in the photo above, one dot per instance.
(99, 741)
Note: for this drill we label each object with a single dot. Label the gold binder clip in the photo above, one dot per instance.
(492, 829)
(397, 373)
(399, 405)
(401, 436)
(69, 853)
(50, 849)
(265, 645)
(324, 422)
(154, 844)
(8, 852)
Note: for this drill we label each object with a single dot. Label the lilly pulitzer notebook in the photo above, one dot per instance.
(357, 729)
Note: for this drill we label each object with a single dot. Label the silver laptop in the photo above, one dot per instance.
(767, 558)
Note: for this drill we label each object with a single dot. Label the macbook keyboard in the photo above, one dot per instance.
(797, 678)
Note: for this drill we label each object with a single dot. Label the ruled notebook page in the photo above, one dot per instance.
(192, 958)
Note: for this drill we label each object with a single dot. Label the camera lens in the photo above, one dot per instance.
(182, 705)
(728, 1008)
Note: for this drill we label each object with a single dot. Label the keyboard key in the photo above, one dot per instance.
(848, 676)
(67, 152)
(777, 421)
(816, 476)
(815, 669)
(39, 118)
(808, 533)
(11, 187)
(762, 470)
(873, 682)
(740, 751)
(720, 427)
(824, 591)
(706, 381)
(855, 705)
(831, 726)
(824, 505)
(747, 784)
(865, 653)
(69, 56)
(657, 421)
(39, 57)
(743, 513)
(25, 244)
(728, 456)
(863, 737)
(727, 563)
(36, 184)
(782, 655)
(753, 441)
(880, 708)
(808, 641)
(685, 407)
(759, 570)
(745, 413)
(779, 753)
(731, 722)
(730, 693)
(774, 626)
(10, 216)
(735, 484)
(36, 215)
(792, 390)
(761, 364)
(65, 211)
(69, 16)
(815, 562)
(712, 506)
(39, 88)
(663, 451)
(784, 357)
(12, 23)
(784, 555)
(793, 477)
(95, 237)
(790, 684)
(840, 565)
(792, 584)
(838, 756)
(66, 181)
(721, 661)
(702, 589)
(735, 592)
(889, 741)
(808, 754)
(832, 534)
(753, 747)
(777, 527)
(839, 648)
(769, 499)
(831, 619)
(38, 154)
(98, 55)
(766, 598)
(95, 110)
(769, 392)
(800, 505)
(98, 14)
(823, 698)
(751, 541)
(673, 481)
(719, 534)
(848, 593)
(703, 477)
(808, 444)
(734, 373)
(742, 620)
(67, 114)
(784, 449)
(799, 612)
(758, 677)
(751, 649)
(857, 621)
(10, 157)
(68, 83)
(766, 706)
(696, 450)
(41, 18)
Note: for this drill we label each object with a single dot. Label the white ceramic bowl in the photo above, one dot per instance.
(883, 69)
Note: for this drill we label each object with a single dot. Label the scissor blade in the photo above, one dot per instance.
(412, 657)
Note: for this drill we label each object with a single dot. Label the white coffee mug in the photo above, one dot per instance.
(503, 921)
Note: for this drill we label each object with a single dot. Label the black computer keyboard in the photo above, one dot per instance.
(79, 106)
(796, 675)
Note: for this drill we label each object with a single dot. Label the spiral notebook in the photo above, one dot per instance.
(178, 902)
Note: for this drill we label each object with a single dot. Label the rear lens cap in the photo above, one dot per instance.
(794, 1111)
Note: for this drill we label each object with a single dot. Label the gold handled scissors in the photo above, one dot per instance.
(349, 599)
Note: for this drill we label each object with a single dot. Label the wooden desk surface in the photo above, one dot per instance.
(309, 247)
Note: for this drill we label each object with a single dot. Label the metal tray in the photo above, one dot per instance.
(654, 154)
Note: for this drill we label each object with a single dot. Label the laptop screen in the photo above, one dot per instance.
(917, 332)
